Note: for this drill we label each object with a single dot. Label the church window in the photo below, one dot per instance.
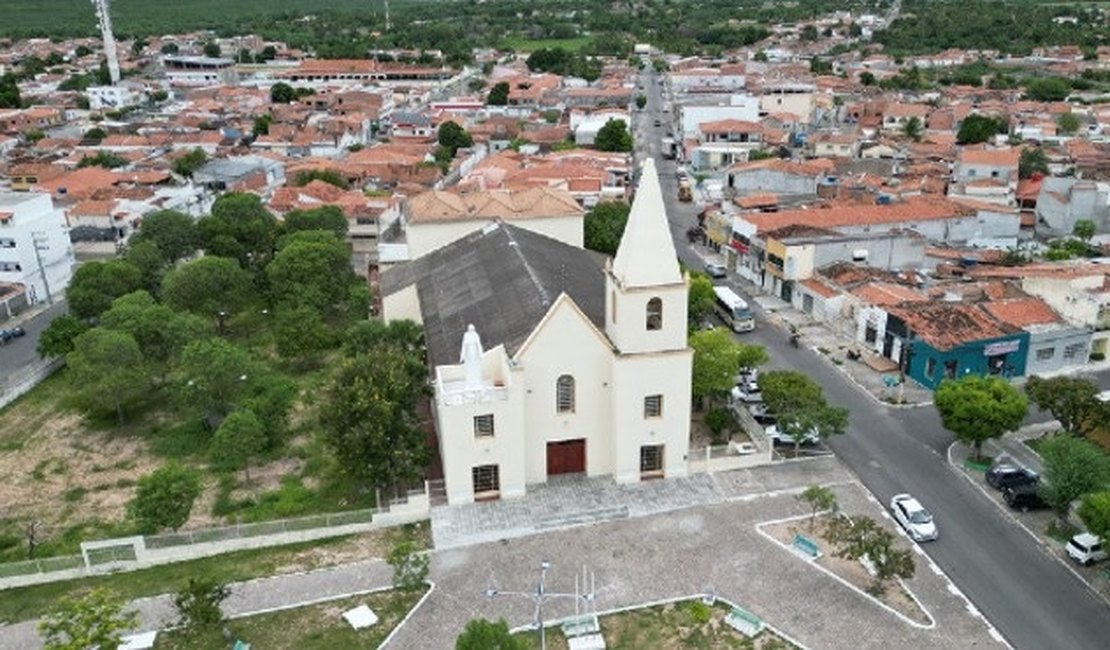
(653, 406)
(483, 426)
(564, 394)
(655, 314)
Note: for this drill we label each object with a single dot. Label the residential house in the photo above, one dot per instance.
(723, 143)
(835, 145)
(1054, 345)
(1062, 201)
(986, 174)
(35, 250)
(775, 176)
(549, 359)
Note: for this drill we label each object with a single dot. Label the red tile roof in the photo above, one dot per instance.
(910, 210)
(1022, 312)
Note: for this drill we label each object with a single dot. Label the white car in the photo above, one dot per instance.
(1086, 548)
(747, 393)
(913, 517)
(715, 270)
(779, 437)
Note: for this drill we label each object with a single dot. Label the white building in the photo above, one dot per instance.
(585, 367)
(110, 97)
(28, 220)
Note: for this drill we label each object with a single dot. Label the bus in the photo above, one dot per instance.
(733, 310)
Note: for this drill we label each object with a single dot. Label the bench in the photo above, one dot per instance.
(744, 622)
(806, 546)
(580, 626)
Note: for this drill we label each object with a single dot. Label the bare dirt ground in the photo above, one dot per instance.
(895, 595)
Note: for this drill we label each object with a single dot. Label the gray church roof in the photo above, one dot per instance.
(502, 279)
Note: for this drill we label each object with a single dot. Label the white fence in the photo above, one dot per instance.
(17, 383)
(130, 553)
(722, 458)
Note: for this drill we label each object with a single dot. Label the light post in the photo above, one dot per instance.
(540, 595)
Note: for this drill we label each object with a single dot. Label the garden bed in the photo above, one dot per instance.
(896, 596)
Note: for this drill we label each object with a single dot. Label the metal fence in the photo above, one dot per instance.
(258, 529)
(45, 565)
(17, 383)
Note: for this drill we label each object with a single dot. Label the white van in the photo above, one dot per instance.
(1086, 548)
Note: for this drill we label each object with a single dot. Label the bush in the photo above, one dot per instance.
(719, 421)
(165, 498)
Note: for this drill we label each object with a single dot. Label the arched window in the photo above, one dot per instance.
(564, 394)
(655, 314)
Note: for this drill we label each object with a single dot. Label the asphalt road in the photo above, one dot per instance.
(19, 353)
(1029, 596)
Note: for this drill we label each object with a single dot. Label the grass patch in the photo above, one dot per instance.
(521, 44)
(315, 626)
(73, 495)
(64, 542)
(981, 465)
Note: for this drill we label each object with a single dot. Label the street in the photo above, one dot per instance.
(1032, 599)
(19, 353)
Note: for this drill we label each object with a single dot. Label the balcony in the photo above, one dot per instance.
(451, 388)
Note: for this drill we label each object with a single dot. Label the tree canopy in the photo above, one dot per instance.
(480, 634)
(1033, 161)
(614, 136)
(208, 286)
(96, 284)
(717, 360)
(93, 620)
(799, 406)
(106, 371)
(327, 217)
(174, 233)
(282, 93)
(240, 227)
(499, 94)
(978, 409)
(978, 128)
(164, 498)
(312, 269)
(1072, 468)
(1071, 400)
(603, 226)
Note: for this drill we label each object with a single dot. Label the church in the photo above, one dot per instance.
(550, 359)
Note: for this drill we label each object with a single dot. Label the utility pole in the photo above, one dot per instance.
(38, 241)
(387, 23)
(540, 595)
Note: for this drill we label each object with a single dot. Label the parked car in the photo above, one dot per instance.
(779, 437)
(1006, 475)
(11, 333)
(1023, 497)
(715, 270)
(913, 517)
(747, 393)
(1086, 549)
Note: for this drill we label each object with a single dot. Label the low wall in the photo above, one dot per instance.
(17, 384)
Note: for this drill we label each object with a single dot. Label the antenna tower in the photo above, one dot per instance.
(104, 17)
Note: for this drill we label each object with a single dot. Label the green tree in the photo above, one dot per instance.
(717, 359)
(818, 498)
(327, 175)
(977, 408)
(867, 78)
(1094, 511)
(95, 134)
(978, 128)
(1071, 400)
(410, 566)
(170, 49)
(912, 128)
(1068, 123)
(282, 93)
(261, 125)
(328, 217)
(9, 92)
(211, 49)
(1032, 161)
(103, 159)
(208, 287)
(799, 406)
(239, 439)
(57, 339)
(93, 620)
(862, 537)
(404, 335)
(240, 227)
(301, 331)
(198, 604)
(641, 101)
(614, 136)
(215, 376)
(175, 233)
(164, 498)
(499, 94)
(603, 226)
(106, 372)
(160, 332)
(145, 256)
(1047, 89)
(1072, 468)
(453, 137)
(700, 298)
(312, 269)
(1084, 229)
(368, 413)
(190, 162)
(480, 634)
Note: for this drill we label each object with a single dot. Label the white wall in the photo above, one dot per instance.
(34, 216)
(635, 377)
(403, 304)
(427, 236)
(626, 319)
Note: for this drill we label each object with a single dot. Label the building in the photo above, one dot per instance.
(585, 367)
(200, 71)
(989, 175)
(35, 250)
(110, 97)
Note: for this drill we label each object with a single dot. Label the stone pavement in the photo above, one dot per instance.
(578, 500)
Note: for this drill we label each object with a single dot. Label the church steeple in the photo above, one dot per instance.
(646, 255)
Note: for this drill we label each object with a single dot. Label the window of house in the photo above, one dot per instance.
(564, 394)
(651, 461)
(950, 368)
(930, 367)
(1044, 354)
(971, 172)
(483, 426)
(655, 314)
(653, 406)
(486, 480)
(1074, 350)
(870, 334)
(994, 174)
(7, 243)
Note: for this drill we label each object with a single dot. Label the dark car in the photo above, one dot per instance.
(12, 333)
(1005, 475)
(1023, 497)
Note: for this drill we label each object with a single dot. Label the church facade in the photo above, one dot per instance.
(576, 363)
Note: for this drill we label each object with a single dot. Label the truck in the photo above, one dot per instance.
(668, 148)
(685, 194)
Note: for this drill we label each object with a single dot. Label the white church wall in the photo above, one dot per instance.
(628, 325)
(634, 378)
(543, 359)
(425, 237)
(403, 304)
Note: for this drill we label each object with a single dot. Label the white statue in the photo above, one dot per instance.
(471, 357)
